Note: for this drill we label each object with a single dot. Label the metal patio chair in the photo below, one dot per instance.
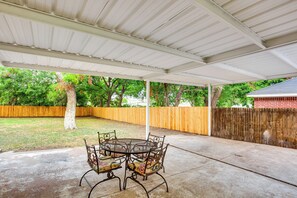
(158, 141)
(100, 165)
(108, 136)
(150, 166)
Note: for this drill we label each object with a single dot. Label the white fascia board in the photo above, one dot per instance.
(240, 71)
(68, 70)
(152, 76)
(219, 13)
(205, 78)
(272, 95)
(81, 58)
(51, 19)
(177, 82)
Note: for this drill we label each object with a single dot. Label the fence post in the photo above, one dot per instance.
(147, 109)
(209, 109)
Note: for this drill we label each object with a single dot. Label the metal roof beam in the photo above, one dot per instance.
(68, 56)
(67, 70)
(240, 71)
(218, 12)
(43, 17)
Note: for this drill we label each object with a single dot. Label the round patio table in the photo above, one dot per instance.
(128, 146)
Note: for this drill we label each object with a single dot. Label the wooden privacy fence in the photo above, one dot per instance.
(40, 111)
(267, 126)
(187, 119)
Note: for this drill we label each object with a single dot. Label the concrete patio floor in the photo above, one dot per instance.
(196, 166)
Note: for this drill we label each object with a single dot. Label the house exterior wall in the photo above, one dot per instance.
(279, 102)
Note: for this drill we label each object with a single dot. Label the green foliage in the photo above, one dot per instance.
(235, 95)
(197, 96)
(31, 87)
(25, 87)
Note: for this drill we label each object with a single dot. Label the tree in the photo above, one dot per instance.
(25, 87)
(67, 83)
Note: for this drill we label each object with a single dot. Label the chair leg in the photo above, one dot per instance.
(84, 176)
(102, 182)
(164, 181)
(120, 182)
(133, 179)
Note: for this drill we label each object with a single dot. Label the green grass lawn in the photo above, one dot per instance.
(42, 133)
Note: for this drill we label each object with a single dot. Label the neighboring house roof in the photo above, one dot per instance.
(284, 89)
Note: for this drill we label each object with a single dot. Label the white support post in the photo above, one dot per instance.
(147, 121)
(209, 109)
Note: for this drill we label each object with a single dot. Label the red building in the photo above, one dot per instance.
(281, 95)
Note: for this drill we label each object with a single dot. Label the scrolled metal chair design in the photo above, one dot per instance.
(149, 166)
(102, 137)
(100, 165)
(158, 141)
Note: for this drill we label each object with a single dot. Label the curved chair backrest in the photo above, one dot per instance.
(158, 140)
(92, 157)
(106, 136)
(155, 158)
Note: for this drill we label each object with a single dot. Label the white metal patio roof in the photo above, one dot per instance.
(195, 42)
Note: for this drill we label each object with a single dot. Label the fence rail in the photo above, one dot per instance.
(187, 119)
(40, 111)
(267, 126)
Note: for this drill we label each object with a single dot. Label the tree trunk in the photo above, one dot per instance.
(166, 98)
(179, 95)
(69, 119)
(121, 95)
(216, 93)
(108, 100)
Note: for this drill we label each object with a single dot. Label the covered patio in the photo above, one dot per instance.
(195, 166)
(194, 42)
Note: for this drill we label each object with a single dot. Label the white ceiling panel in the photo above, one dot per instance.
(263, 63)
(155, 36)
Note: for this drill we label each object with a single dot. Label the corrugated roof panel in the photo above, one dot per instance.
(92, 46)
(258, 9)
(63, 8)
(42, 35)
(212, 44)
(289, 52)
(263, 63)
(283, 28)
(142, 15)
(186, 18)
(164, 16)
(239, 5)
(266, 18)
(232, 45)
(43, 5)
(21, 30)
(118, 13)
(78, 42)
(5, 33)
(91, 11)
(61, 39)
